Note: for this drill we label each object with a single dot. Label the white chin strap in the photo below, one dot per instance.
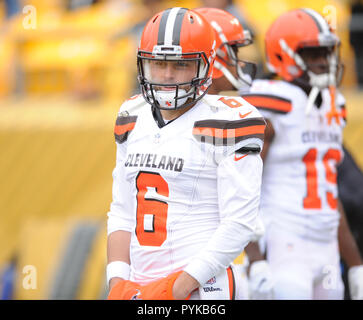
(311, 99)
(317, 81)
(166, 98)
(239, 84)
(320, 81)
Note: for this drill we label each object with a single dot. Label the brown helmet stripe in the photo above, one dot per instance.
(178, 25)
(162, 26)
(170, 26)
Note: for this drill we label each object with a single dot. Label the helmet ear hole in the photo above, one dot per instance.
(278, 57)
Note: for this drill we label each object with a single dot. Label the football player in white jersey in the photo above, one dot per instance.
(188, 172)
(305, 113)
(231, 73)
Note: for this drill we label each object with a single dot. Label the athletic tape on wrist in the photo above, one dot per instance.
(117, 269)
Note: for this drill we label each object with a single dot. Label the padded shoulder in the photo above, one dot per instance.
(133, 105)
(220, 103)
(124, 125)
(127, 116)
(233, 120)
(274, 96)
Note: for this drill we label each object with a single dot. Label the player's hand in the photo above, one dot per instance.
(355, 280)
(183, 286)
(124, 290)
(160, 289)
(261, 284)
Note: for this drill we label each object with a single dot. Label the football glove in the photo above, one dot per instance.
(160, 289)
(355, 280)
(260, 281)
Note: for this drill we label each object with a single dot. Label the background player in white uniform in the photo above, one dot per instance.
(233, 74)
(188, 172)
(305, 224)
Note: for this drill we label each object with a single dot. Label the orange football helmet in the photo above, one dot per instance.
(299, 30)
(175, 58)
(230, 36)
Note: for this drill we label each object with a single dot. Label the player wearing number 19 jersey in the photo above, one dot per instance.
(305, 114)
(188, 171)
(299, 189)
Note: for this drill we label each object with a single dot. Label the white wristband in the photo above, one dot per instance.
(117, 269)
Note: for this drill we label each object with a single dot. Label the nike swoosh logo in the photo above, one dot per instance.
(244, 115)
(239, 158)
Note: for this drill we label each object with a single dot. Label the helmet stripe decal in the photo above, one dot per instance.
(177, 26)
(320, 22)
(170, 26)
(162, 26)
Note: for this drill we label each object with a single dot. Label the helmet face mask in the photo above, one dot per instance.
(229, 54)
(175, 59)
(230, 37)
(322, 67)
(172, 81)
(246, 70)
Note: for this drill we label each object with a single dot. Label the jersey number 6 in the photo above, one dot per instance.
(152, 208)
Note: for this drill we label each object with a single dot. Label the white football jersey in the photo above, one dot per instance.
(299, 188)
(188, 192)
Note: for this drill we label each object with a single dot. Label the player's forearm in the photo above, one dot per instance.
(253, 252)
(118, 249)
(118, 246)
(268, 138)
(225, 245)
(347, 245)
(184, 285)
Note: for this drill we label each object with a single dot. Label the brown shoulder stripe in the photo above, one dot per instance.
(222, 132)
(269, 102)
(124, 125)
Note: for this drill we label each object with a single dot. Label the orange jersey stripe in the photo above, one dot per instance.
(229, 133)
(230, 284)
(121, 129)
(270, 103)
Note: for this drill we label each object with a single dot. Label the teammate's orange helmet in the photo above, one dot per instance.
(230, 35)
(296, 30)
(177, 37)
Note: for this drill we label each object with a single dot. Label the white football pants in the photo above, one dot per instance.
(303, 268)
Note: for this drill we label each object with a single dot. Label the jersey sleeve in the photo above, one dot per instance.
(239, 129)
(120, 215)
(239, 184)
(271, 105)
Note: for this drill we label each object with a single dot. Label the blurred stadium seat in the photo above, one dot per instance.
(67, 256)
(61, 85)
